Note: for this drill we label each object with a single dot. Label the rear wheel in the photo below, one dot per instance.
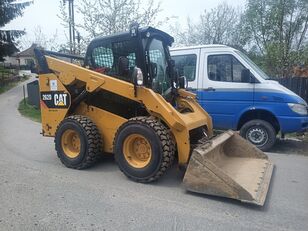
(260, 133)
(143, 149)
(78, 142)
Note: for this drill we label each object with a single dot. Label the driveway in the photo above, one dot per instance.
(38, 193)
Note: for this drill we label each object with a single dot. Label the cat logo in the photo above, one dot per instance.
(55, 99)
(60, 100)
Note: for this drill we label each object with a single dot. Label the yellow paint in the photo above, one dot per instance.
(179, 123)
(51, 117)
(70, 143)
(106, 122)
(137, 151)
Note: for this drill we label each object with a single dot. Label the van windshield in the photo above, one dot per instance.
(253, 65)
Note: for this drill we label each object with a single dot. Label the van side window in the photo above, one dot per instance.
(225, 68)
(186, 65)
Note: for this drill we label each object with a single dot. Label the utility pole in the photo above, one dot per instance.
(71, 25)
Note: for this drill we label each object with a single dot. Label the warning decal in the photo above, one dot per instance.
(53, 85)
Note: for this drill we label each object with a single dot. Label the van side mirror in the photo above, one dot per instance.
(182, 82)
(253, 79)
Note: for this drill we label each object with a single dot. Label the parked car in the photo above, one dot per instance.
(239, 95)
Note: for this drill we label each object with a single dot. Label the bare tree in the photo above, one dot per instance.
(214, 26)
(42, 40)
(104, 17)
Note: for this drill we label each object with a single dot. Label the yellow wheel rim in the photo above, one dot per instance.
(70, 142)
(137, 151)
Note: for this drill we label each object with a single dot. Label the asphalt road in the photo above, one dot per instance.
(38, 193)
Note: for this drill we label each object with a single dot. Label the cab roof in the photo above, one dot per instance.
(126, 35)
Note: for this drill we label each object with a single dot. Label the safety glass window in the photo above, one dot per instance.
(124, 54)
(186, 65)
(116, 59)
(158, 65)
(102, 57)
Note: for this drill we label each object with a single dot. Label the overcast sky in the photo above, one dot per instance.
(43, 13)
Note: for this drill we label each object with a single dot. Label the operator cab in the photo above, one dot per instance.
(141, 53)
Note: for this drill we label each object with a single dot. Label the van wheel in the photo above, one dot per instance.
(260, 133)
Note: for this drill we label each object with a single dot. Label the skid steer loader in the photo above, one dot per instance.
(126, 99)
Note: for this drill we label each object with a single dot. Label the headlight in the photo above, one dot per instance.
(298, 108)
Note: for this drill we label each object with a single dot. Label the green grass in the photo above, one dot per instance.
(29, 111)
(10, 85)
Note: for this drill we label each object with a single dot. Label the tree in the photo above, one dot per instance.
(10, 9)
(104, 17)
(279, 30)
(42, 40)
(216, 26)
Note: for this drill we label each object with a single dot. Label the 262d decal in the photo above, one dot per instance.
(56, 99)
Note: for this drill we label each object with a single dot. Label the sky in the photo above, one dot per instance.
(43, 13)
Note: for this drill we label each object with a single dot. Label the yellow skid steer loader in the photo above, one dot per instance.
(127, 99)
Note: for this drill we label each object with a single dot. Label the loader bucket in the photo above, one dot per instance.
(229, 166)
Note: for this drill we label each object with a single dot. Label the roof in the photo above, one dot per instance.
(214, 46)
(143, 31)
(28, 52)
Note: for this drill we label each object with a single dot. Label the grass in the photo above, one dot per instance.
(29, 111)
(12, 84)
(8, 87)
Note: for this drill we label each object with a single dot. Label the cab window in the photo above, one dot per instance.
(116, 59)
(225, 68)
(158, 65)
(103, 57)
(186, 65)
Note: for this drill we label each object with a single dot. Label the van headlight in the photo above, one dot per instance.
(298, 108)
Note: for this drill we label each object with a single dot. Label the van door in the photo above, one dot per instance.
(225, 91)
(186, 63)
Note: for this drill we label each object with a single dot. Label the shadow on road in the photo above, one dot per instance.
(291, 146)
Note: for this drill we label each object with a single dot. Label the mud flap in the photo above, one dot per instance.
(229, 166)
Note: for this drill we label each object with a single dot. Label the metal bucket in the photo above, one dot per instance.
(229, 166)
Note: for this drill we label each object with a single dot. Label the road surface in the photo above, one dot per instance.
(38, 193)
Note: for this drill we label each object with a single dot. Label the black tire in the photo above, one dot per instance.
(162, 149)
(260, 133)
(90, 142)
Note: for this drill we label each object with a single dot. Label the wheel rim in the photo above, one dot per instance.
(137, 150)
(257, 136)
(70, 142)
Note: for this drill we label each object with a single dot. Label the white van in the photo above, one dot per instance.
(239, 95)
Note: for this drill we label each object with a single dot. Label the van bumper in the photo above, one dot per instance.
(290, 124)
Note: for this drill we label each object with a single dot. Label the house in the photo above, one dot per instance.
(21, 60)
(26, 57)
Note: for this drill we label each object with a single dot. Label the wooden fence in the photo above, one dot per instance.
(299, 85)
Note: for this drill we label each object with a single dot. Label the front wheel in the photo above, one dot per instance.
(143, 149)
(260, 133)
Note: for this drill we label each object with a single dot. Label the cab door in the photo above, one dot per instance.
(225, 90)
